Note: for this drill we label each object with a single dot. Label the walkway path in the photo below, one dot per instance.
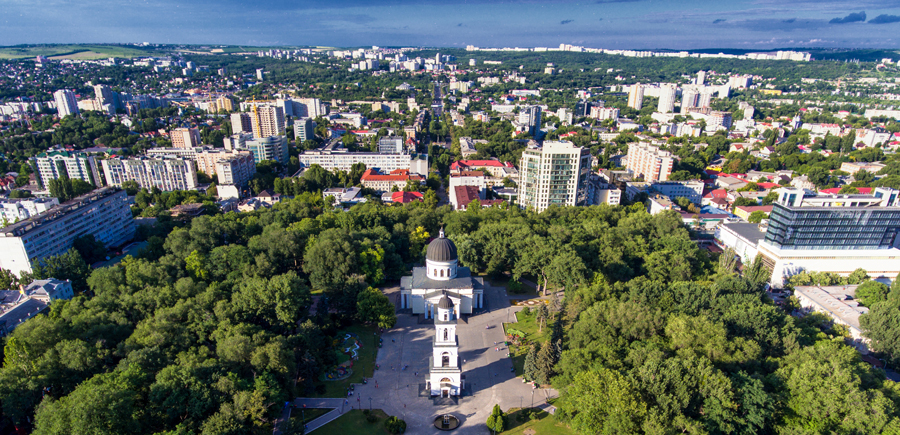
(485, 364)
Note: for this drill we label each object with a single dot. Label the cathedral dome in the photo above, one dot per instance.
(441, 249)
(445, 303)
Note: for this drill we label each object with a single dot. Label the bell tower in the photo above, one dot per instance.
(446, 373)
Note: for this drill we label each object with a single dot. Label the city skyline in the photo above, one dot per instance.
(637, 24)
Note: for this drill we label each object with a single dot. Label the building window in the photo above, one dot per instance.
(446, 335)
(442, 273)
(445, 316)
(445, 362)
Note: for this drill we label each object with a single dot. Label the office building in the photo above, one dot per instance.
(636, 96)
(14, 210)
(648, 161)
(556, 173)
(54, 164)
(103, 213)
(65, 103)
(269, 148)
(826, 233)
(390, 145)
(267, 121)
(185, 137)
(342, 160)
(304, 130)
(240, 123)
(164, 173)
(666, 98)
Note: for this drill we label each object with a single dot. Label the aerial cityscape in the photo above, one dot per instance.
(679, 218)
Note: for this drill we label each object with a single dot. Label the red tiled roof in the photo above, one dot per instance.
(406, 197)
(768, 186)
(396, 175)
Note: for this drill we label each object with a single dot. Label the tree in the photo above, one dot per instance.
(871, 293)
(603, 401)
(131, 187)
(65, 189)
(530, 369)
(757, 216)
(540, 315)
(395, 425)
(741, 201)
(880, 325)
(544, 365)
(90, 249)
(496, 420)
(374, 307)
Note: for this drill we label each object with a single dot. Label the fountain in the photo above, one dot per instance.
(446, 422)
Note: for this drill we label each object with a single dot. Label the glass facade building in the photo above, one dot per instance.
(833, 227)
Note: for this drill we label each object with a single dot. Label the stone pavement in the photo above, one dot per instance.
(488, 372)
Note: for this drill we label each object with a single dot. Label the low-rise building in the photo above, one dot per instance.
(343, 196)
(14, 210)
(343, 160)
(375, 180)
(18, 306)
(466, 178)
(839, 303)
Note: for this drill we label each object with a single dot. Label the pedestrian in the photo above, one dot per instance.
(416, 374)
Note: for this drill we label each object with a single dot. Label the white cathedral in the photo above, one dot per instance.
(443, 291)
(441, 276)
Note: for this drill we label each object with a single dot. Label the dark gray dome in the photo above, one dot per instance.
(445, 303)
(441, 249)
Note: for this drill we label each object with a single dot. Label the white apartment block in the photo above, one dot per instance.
(240, 123)
(649, 161)
(239, 164)
(343, 160)
(65, 103)
(53, 165)
(556, 173)
(636, 96)
(600, 112)
(14, 210)
(104, 213)
(666, 98)
(166, 174)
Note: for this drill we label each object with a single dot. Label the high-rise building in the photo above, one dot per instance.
(717, 119)
(556, 173)
(666, 98)
(240, 123)
(224, 103)
(530, 116)
(164, 173)
(636, 96)
(743, 81)
(185, 137)
(240, 164)
(689, 97)
(269, 148)
(103, 213)
(267, 121)
(701, 78)
(54, 164)
(704, 99)
(648, 161)
(260, 74)
(65, 103)
(104, 95)
(235, 170)
(304, 130)
(313, 108)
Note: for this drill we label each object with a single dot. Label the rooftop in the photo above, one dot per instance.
(20, 228)
(838, 301)
(747, 231)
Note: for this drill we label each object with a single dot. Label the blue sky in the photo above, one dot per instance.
(752, 24)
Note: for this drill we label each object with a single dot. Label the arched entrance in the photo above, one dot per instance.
(446, 386)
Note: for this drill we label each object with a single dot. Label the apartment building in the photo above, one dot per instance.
(14, 210)
(185, 137)
(636, 96)
(648, 161)
(236, 170)
(103, 213)
(556, 173)
(164, 173)
(343, 160)
(304, 130)
(240, 123)
(466, 178)
(207, 159)
(267, 121)
(55, 164)
(65, 103)
(666, 98)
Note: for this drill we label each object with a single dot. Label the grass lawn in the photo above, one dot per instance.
(50, 50)
(308, 414)
(354, 422)
(528, 325)
(542, 423)
(364, 367)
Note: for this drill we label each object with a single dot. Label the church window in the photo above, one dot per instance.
(446, 336)
(445, 316)
(445, 360)
(435, 272)
(442, 273)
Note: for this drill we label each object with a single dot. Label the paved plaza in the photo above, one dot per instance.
(488, 372)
